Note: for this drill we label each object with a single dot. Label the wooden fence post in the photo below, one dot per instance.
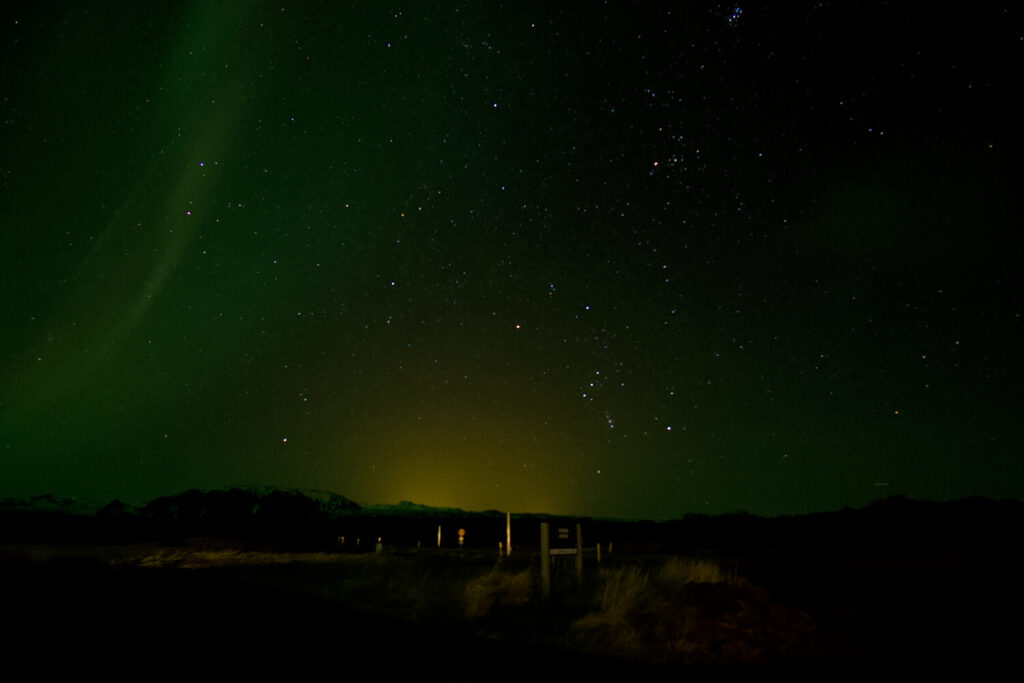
(579, 553)
(545, 561)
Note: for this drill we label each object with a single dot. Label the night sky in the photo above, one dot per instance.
(631, 259)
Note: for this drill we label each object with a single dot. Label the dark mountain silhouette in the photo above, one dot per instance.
(242, 504)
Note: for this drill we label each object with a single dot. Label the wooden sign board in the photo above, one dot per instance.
(563, 541)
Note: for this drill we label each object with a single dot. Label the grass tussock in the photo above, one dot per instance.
(687, 611)
(682, 571)
(497, 589)
(622, 589)
(610, 628)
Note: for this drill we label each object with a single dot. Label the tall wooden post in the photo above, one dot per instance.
(545, 561)
(579, 553)
(438, 535)
(508, 534)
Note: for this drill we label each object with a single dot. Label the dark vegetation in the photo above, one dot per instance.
(257, 580)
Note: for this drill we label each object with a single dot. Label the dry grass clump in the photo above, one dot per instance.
(627, 589)
(610, 627)
(622, 589)
(497, 587)
(687, 611)
(682, 571)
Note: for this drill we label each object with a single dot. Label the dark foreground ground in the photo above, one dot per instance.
(75, 613)
(152, 611)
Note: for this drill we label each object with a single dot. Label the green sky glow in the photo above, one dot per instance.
(634, 259)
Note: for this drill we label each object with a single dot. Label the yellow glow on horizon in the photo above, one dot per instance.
(480, 465)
